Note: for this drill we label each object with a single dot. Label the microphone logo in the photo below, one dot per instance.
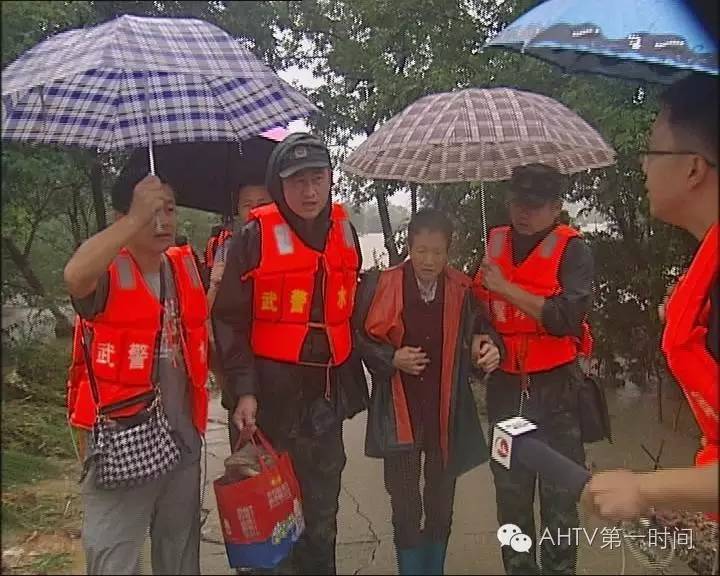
(503, 449)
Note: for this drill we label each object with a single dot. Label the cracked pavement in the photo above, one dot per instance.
(364, 544)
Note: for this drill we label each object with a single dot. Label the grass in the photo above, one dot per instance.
(33, 393)
(20, 468)
(50, 563)
(27, 510)
(35, 429)
(36, 444)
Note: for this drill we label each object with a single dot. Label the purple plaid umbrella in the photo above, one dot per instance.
(134, 82)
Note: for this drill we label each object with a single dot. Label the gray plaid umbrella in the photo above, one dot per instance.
(135, 81)
(478, 135)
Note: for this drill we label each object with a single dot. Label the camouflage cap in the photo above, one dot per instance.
(536, 184)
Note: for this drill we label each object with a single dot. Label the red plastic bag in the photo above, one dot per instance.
(261, 516)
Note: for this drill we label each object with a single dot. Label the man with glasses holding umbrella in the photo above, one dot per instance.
(536, 280)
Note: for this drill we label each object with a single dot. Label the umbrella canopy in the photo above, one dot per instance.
(478, 135)
(206, 175)
(136, 81)
(653, 40)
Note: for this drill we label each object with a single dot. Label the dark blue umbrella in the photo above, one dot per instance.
(654, 40)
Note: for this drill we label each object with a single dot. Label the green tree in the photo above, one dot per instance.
(376, 57)
(53, 199)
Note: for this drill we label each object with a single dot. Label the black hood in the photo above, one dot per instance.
(311, 232)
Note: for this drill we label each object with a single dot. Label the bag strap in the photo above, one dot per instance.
(264, 442)
(155, 379)
(88, 364)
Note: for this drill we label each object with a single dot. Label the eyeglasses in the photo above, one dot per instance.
(645, 153)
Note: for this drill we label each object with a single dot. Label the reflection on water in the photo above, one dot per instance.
(628, 393)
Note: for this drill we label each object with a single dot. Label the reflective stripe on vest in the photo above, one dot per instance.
(126, 274)
(497, 242)
(191, 270)
(283, 239)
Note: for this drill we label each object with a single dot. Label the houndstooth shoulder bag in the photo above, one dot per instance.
(130, 451)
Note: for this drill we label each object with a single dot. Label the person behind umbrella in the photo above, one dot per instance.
(143, 306)
(415, 323)
(251, 192)
(681, 176)
(537, 282)
(282, 321)
(249, 196)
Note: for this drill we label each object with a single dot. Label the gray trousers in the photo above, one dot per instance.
(116, 523)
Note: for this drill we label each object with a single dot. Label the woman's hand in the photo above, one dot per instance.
(410, 360)
(485, 354)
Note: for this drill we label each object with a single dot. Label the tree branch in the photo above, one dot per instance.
(37, 217)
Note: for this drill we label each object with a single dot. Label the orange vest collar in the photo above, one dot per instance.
(684, 342)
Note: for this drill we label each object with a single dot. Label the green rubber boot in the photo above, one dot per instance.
(435, 557)
(411, 561)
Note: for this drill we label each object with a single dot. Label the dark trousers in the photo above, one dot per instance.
(319, 463)
(553, 406)
(402, 481)
(233, 432)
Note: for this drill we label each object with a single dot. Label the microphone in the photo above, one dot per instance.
(516, 441)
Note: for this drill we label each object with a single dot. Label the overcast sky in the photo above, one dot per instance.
(305, 79)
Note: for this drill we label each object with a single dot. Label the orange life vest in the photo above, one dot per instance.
(125, 336)
(684, 343)
(284, 282)
(213, 244)
(529, 348)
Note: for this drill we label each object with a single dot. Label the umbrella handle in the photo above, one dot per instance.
(483, 216)
(151, 153)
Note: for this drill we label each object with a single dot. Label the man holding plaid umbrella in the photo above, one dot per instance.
(537, 283)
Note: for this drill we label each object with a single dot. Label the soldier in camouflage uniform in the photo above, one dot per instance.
(552, 405)
(540, 315)
(282, 326)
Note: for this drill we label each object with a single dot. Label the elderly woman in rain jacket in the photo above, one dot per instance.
(420, 332)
